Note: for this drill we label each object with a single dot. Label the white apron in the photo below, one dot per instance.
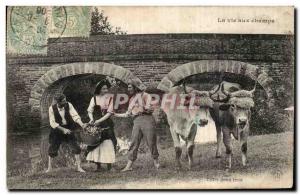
(104, 153)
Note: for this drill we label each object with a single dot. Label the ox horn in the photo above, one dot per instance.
(225, 92)
(184, 86)
(213, 91)
(252, 91)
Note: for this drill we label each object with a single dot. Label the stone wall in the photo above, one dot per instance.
(150, 58)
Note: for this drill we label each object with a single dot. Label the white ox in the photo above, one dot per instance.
(191, 109)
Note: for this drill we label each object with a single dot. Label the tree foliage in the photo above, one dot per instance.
(101, 26)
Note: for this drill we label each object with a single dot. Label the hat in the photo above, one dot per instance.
(100, 84)
(59, 97)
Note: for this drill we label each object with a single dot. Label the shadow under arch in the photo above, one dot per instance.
(213, 66)
(54, 81)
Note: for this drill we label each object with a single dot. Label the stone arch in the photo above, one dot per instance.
(206, 66)
(59, 79)
(46, 86)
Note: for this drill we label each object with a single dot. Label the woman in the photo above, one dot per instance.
(99, 112)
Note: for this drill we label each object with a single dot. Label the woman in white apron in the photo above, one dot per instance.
(99, 112)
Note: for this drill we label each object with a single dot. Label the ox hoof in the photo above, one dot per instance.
(191, 165)
(48, 170)
(178, 169)
(178, 166)
(218, 156)
(244, 161)
(185, 157)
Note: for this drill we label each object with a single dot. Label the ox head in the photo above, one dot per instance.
(238, 106)
(201, 104)
(204, 105)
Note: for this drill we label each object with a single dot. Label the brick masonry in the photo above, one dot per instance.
(148, 57)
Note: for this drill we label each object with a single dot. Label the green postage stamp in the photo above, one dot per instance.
(29, 27)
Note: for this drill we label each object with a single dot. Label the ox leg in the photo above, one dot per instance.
(228, 146)
(178, 152)
(219, 140)
(191, 146)
(185, 155)
(243, 142)
(190, 151)
(177, 146)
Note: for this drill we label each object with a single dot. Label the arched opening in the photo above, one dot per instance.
(77, 81)
(72, 77)
(204, 74)
(206, 67)
(78, 89)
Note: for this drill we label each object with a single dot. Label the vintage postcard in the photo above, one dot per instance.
(155, 98)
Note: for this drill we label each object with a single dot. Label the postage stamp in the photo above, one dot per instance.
(78, 21)
(29, 27)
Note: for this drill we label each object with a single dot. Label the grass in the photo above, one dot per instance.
(270, 165)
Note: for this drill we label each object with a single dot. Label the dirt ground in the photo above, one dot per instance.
(270, 166)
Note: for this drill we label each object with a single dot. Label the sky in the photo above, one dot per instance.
(196, 19)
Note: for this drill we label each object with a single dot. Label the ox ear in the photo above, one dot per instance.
(224, 107)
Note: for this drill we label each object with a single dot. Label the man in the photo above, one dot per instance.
(63, 118)
(143, 125)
